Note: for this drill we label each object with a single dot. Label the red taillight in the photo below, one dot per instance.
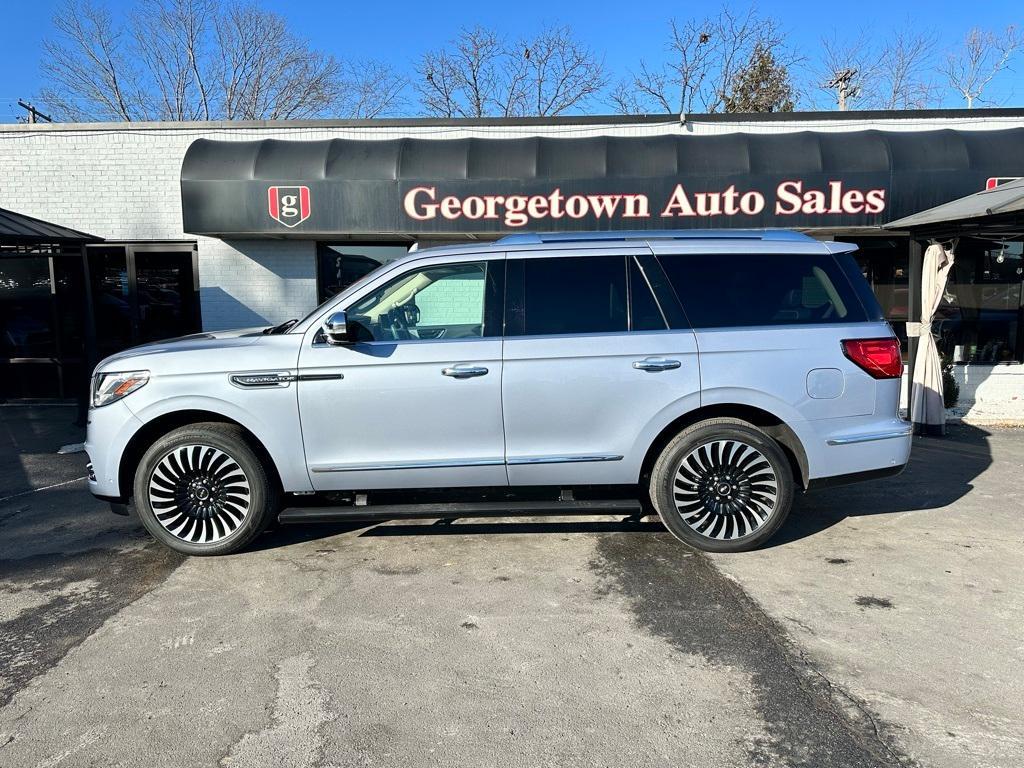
(879, 357)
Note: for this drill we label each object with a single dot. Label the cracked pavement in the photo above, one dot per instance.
(882, 627)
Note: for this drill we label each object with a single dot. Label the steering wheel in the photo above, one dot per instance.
(410, 314)
(401, 320)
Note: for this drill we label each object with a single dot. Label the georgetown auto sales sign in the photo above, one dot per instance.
(382, 187)
(789, 198)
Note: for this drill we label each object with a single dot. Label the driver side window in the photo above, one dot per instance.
(443, 301)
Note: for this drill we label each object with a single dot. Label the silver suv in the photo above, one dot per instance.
(701, 375)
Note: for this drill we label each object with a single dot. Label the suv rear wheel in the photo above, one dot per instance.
(722, 485)
(202, 490)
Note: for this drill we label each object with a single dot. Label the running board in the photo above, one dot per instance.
(459, 509)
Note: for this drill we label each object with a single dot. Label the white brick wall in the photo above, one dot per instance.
(122, 183)
(452, 301)
(255, 282)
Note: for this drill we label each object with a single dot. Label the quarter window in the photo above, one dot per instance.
(443, 301)
(732, 290)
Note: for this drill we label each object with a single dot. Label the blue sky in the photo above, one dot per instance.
(623, 31)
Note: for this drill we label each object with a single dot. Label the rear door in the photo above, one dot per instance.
(591, 359)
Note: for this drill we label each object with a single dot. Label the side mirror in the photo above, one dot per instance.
(335, 328)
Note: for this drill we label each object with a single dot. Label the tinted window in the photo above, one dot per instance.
(722, 291)
(585, 294)
(644, 312)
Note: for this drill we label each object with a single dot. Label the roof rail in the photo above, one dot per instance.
(538, 238)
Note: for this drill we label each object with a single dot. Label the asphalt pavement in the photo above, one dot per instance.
(881, 627)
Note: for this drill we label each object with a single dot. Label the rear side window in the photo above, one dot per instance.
(732, 290)
(580, 294)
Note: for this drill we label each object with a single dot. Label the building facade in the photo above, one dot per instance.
(207, 226)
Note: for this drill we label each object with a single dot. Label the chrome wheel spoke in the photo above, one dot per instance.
(199, 494)
(725, 489)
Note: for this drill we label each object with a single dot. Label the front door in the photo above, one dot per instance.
(415, 400)
(592, 360)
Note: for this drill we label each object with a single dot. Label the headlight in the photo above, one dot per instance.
(110, 387)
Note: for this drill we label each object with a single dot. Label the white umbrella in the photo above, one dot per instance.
(927, 410)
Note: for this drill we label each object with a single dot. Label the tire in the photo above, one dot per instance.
(201, 489)
(722, 485)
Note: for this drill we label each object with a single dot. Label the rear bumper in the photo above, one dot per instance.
(854, 477)
(853, 448)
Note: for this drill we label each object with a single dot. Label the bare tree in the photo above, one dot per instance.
(201, 60)
(92, 76)
(905, 71)
(704, 57)
(481, 75)
(266, 73)
(177, 63)
(468, 80)
(894, 73)
(370, 89)
(983, 55)
(557, 73)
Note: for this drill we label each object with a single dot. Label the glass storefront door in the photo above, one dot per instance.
(49, 336)
(167, 300)
(28, 336)
(143, 293)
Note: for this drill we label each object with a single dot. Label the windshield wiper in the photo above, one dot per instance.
(275, 329)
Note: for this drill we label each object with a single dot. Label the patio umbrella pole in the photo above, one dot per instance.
(927, 408)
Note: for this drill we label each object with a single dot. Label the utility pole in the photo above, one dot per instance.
(842, 84)
(33, 113)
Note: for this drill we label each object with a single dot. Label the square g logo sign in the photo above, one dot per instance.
(288, 205)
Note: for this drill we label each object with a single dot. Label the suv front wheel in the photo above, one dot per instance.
(202, 490)
(722, 485)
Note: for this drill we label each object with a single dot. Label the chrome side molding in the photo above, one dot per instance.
(871, 437)
(574, 459)
(441, 464)
(452, 463)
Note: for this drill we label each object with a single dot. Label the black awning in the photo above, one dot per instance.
(993, 211)
(471, 185)
(19, 229)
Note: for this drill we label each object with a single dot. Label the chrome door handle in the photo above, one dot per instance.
(656, 364)
(464, 371)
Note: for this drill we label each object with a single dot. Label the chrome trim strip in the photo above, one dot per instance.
(319, 376)
(448, 464)
(852, 439)
(564, 459)
(443, 464)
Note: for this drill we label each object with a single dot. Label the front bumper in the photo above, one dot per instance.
(109, 432)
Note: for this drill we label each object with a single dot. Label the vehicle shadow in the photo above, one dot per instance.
(941, 471)
(285, 535)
